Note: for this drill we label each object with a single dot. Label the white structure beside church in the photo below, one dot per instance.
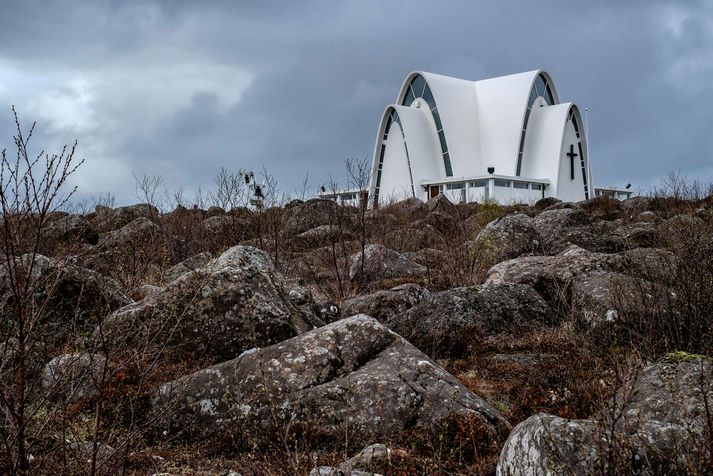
(507, 139)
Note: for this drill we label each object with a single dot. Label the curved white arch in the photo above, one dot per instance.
(548, 139)
(416, 131)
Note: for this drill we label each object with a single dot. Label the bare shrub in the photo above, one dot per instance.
(31, 188)
(230, 191)
(671, 306)
(147, 189)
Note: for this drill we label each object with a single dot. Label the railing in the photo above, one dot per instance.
(500, 188)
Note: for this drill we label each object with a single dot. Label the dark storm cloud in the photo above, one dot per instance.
(183, 88)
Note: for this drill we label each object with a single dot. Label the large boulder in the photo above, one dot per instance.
(636, 205)
(601, 208)
(505, 238)
(441, 204)
(69, 230)
(418, 235)
(188, 265)
(141, 243)
(440, 221)
(453, 321)
(73, 377)
(386, 303)
(322, 236)
(353, 375)
(73, 299)
(592, 297)
(583, 236)
(633, 235)
(411, 207)
(546, 445)
(379, 262)
(236, 302)
(225, 230)
(552, 276)
(586, 282)
(662, 427)
(675, 390)
(551, 223)
(303, 216)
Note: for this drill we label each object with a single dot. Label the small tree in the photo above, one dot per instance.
(31, 187)
(147, 189)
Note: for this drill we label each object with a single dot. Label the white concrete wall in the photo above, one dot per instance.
(570, 190)
(422, 140)
(395, 181)
(458, 110)
(501, 109)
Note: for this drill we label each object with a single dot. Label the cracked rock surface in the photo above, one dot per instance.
(662, 429)
(235, 302)
(354, 374)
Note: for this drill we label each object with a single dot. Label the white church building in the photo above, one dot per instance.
(507, 139)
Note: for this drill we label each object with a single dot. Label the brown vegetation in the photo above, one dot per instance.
(659, 303)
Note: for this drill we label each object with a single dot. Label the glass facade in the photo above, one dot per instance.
(418, 88)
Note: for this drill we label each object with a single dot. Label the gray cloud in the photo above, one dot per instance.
(183, 88)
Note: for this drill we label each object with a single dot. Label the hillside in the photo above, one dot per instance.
(556, 338)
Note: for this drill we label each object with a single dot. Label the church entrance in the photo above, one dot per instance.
(434, 191)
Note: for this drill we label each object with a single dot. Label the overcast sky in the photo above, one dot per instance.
(181, 88)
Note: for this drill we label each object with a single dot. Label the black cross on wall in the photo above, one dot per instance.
(571, 156)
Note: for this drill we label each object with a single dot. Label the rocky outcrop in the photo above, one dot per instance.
(550, 224)
(139, 243)
(440, 204)
(353, 374)
(592, 297)
(453, 321)
(546, 445)
(303, 216)
(440, 221)
(323, 235)
(386, 303)
(584, 281)
(663, 428)
(108, 219)
(234, 303)
(380, 262)
(70, 230)
(412, 207)
(634, 235)
(601, 208)
(418, 235)
(225, 229)
(552, 276)
(506, 237)
(188, 265)
(73, 298)
(371, 461)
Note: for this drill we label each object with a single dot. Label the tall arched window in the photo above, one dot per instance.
(418, 88)
(541, 88)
